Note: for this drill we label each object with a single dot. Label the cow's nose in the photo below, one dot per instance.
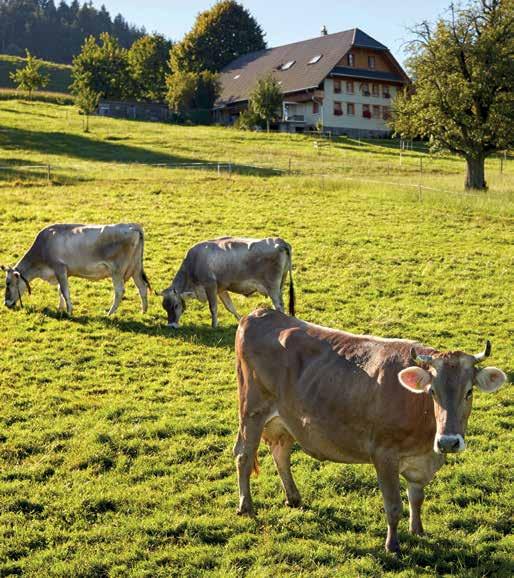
(173, 325)
(450, 444)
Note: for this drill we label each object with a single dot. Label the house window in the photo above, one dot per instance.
(376, 111)
(287, 65)
(375, 90)
(386, 112)
(351, 59)
(315, 107)
(385, 92)
(365, 89)
(371, 62)
(337, 86)
(338, 108)
(349, 86)
(350, 109)
(366, 113)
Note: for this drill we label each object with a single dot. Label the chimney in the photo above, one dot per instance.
(324, 31)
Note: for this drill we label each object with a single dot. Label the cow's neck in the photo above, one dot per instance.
(28, 265)
(182, 283)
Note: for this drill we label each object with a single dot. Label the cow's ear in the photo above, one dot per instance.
(490, 379)
(415, 379)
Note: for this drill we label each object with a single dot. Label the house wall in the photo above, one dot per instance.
(355, 125)
(382, 62)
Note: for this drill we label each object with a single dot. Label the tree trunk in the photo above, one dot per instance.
(475, 176)
(87, 123)
(267, 125)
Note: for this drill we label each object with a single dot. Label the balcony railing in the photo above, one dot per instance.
(295, 118)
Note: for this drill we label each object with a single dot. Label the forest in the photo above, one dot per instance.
(56, 32)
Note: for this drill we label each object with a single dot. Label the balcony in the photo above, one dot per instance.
(294, 118)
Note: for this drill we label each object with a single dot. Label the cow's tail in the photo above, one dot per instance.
(143, 274)
(292, 297)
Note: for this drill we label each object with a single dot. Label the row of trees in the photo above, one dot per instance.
(57, 32)
(184, 74)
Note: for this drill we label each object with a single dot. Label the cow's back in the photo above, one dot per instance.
(232, 259)
(338, 393)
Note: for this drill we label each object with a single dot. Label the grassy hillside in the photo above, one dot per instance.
(116, 434)
(60, 74)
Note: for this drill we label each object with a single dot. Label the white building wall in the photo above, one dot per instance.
(357, 121)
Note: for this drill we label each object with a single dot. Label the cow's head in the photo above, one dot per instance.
(174, 305)
(449, 379)
(15, 287)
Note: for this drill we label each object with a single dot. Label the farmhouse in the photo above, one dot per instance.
(343, 81)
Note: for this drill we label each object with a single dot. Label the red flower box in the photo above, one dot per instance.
(366, 114)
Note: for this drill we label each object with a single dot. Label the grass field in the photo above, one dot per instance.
(59, 74)
(116, 434)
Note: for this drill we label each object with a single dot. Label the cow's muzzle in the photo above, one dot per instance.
(173, 325)
(9, 304)
(449, 444)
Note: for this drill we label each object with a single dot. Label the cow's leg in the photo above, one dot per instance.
(281, 452)
(416, 493)
(143, 290)
(212, 298)
(388, 473)
(64, 288)
(245, 452)
(275, 294)
(227, 301)
(62, 301)
(119, 290)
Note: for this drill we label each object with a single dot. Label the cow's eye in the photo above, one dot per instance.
(469, 394)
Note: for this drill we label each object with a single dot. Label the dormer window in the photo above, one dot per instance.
(237, 76)
(315, 59)
(287, 65)
(351, 59)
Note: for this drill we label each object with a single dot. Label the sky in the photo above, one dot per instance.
(286, 21)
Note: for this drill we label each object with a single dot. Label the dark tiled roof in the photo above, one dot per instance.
(364, 73)
(239, 77)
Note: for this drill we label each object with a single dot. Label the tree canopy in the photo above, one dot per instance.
(266, 99)
(189, 91)
(30, 77)
(219, 35)
(148, 67)
(56, 33)
(462, 98)
(103, 68)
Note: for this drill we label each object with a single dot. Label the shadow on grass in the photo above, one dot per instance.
(221, 337)
(88, 148)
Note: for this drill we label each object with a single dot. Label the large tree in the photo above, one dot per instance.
(266, 100)
(462, 98)
(192, 91)
(148, 67)
(104, 67)
(219, 35)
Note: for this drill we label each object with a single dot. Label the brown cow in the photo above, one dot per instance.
(352, 399)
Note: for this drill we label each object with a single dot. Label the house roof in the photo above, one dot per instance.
(238, 78)
(365, 73)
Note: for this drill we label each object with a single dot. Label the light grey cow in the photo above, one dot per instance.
(88, 251)
(240, 265)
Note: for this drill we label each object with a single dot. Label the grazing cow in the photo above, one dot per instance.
(89, 251)
(352, 399)
(240, 265)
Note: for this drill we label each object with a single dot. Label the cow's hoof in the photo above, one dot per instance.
(393, 548)
(245, 509)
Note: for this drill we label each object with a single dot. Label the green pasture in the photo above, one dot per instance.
(116, 433)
